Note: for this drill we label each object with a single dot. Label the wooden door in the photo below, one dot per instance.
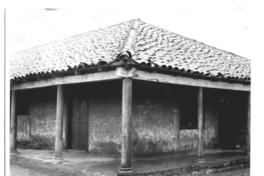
(79, 124)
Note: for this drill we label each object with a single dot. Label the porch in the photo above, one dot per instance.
(163, 118)
(162, 164)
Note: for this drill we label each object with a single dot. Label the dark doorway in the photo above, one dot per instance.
(232, 120)
(79, 123)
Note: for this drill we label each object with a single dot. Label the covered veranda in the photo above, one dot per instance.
(129, 164)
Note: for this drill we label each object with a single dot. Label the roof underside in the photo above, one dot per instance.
(151, 47)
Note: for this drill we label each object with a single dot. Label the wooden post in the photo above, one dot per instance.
(29, 127)
(126, 155)
(65, 122)
(200, 124)
(248, 124)
(177, 121)
(13, 123)
(59, 123)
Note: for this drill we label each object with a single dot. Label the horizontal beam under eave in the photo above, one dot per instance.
(164, 78)
(92, 77)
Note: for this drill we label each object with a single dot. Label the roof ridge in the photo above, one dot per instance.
(125, 56)
(129, 42)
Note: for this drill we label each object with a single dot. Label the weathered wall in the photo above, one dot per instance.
(22, 127)
(155, 118)
(157, 110)
(104, 117)
(41, 114)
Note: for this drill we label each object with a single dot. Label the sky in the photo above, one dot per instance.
(224, 25)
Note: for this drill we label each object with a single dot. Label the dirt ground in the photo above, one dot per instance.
(240, 172)
(19, 171)
(77, 163)
(26, 167)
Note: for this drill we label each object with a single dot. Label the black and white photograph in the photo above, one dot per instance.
(128, 91)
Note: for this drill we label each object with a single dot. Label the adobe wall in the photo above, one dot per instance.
(40, 118)
(156, 113)
(157, 110)
(104, 117)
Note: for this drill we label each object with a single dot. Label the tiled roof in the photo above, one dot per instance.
(150, 46)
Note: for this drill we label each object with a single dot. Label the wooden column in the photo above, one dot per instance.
(200, 123)
(177, 121)
(126, 153)
(29, 127)
(13, 123)
(59, 123)
(65, 122)
(248, 124)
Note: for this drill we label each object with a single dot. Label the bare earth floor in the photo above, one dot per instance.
(42, 162)
(239, 172)
(19, 171)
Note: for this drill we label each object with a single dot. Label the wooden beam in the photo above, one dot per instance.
(200, 122)
(126, 146)
(92, 77)
(165, 78)
(59, 123)
(13, 123)
(135, 74)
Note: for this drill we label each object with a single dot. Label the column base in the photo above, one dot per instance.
(58, 157)
(125, 171)
(201, 160)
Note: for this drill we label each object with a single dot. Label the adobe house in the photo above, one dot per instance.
(131, 88)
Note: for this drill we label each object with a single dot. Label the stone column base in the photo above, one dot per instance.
(125, 172)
